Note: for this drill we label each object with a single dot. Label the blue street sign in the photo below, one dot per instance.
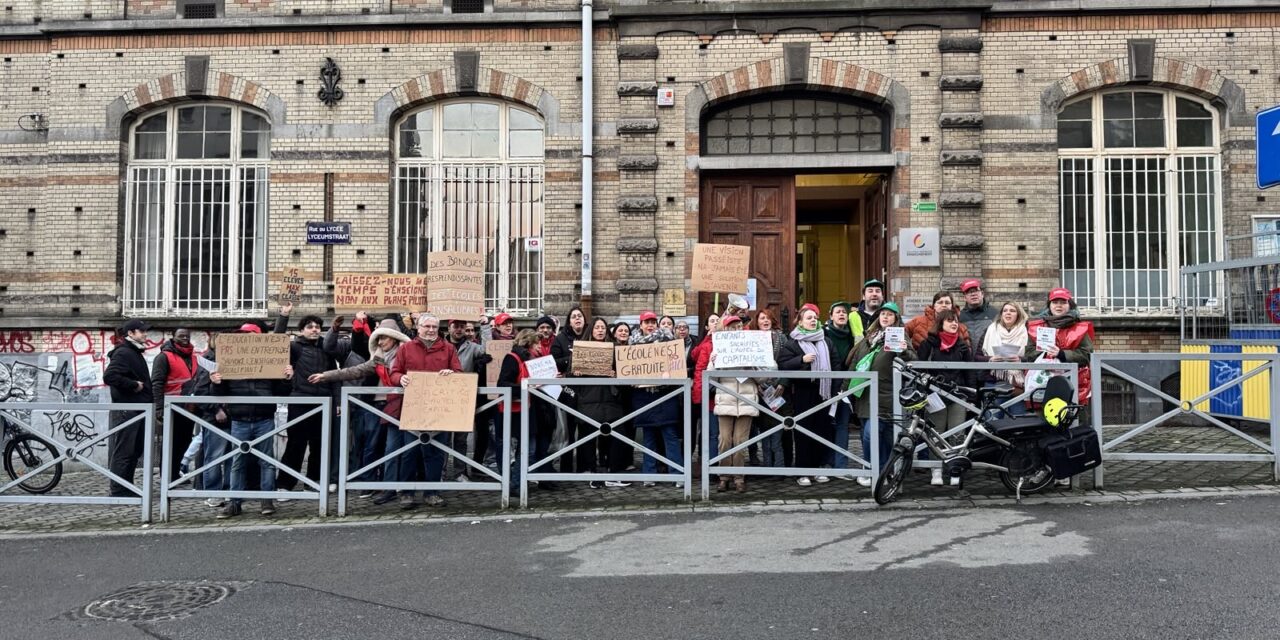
(328, 232)
(1268, 135)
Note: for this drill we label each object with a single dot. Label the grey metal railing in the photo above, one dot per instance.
(347, 479)
(319, 489)
(79, 452)
(867, 467)
(530, 388)
(1267, 363)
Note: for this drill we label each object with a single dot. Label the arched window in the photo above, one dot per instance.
(1139, 196)
(797, 123)
(469, 178)
(196, 211)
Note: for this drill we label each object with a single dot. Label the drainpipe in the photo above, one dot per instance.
(588, 177)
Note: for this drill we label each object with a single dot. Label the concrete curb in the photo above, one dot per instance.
(1087, 498)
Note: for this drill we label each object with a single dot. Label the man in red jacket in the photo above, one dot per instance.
(429, 352)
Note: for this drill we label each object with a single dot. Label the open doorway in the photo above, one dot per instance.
(839, 235)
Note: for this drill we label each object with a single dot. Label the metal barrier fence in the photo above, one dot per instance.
(971, 409)
(530, 388)
(348, 480)
(1266, 363)
(242, 446)
(869, 468)
(80, 452)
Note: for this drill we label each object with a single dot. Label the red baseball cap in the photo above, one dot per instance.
(501, 319)
(811, 307)
(250, 327)
(971, 283)
(1061, 293)
(731, 319)
(648, 315)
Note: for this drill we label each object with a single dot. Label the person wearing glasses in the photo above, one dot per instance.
(976, 314)
(428, 352)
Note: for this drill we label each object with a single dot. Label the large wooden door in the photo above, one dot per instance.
(758, 212)
(876, 234)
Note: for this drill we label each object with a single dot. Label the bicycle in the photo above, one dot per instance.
(24, 452)
(1010, 445)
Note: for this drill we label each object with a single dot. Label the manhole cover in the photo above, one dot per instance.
(150, 601)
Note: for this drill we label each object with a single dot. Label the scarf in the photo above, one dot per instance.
(1059, 322)
(998, 336)
(841, 337)
(139, 345)
(185, 351)
(948, 340)
(814, 343)
(658, 335)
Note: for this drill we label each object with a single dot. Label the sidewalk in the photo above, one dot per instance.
(1122, 478)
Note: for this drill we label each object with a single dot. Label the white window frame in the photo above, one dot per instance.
(1170, 153)
(170, 165)
(1265, 245)
(511, 169)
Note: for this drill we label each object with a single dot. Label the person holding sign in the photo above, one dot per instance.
(809, 349)
(700, 358)
(874, 353)
(734, 413)
(1072, 343)
(1005, 341)
(607, 404)
(945, 344)
(513, 372)
(574, 329)
(307, 356)
(661, 421)
(429, 352)
(771, 452)
(843, 328)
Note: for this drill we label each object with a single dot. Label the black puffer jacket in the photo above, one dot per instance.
(562, 349)
(308, 357)
(126, 372)
(931, 351)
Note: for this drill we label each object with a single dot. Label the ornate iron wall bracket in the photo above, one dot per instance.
(330, 76)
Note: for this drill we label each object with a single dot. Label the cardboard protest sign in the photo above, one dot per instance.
(895, 339)
(291, 286)
(433, 402)
(720, 268)
(653, 360)
(247, 356)
(1046, 338)
(499, 350)
(742, 349)
(380, 292)
(592, 359)
(455, 284)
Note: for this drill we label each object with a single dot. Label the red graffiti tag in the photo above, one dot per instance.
(16, 342)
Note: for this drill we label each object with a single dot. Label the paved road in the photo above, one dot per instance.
(1158, 569)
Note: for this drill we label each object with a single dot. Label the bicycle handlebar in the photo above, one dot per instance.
(932, 380)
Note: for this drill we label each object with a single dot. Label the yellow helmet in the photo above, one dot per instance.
(1054, 410)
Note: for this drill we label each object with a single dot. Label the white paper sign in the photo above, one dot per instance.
(544, 367)
(895, 339)
(1046, 338)
(935, 403)
(752, 283)
(742, 349)
(771, 397)
(207, 364)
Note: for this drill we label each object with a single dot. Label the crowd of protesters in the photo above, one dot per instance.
(382, 353)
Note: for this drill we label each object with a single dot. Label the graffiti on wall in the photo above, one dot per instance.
(66, 367)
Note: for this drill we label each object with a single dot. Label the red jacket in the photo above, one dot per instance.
(701, 357)
(415, 355)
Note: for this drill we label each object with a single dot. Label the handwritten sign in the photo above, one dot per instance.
(380, 292)
(743, 349)
(250, 356)
(544, 367)
(653, 360)
(722, 268)
(895, 339)
(498, 349)
(673, 302)
(455, 284)
(433, 402)
(592, 359)
(1046, 338)
(291, 286)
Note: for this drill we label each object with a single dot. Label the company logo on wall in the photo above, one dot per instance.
(918, 247)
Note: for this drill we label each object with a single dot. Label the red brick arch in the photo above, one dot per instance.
(823, 73)
(172, 88)
(1165, 72)
(443, 83)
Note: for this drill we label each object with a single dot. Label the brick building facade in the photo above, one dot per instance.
(159, 162)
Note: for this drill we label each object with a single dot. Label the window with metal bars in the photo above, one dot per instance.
(1139, 180)
(469, 177)
(196, 212)
(199, 10)
(797, 123)
(466, 6)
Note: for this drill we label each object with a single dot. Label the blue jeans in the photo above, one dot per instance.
(886, 440)
(671, 443)
(214, 446)
(409, 466)
(771, 445)
(367, 424)
(844, 414)
(248, 431)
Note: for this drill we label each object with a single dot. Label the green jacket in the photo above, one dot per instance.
(882, 364)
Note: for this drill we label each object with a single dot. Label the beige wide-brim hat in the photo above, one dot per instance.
(389, 329)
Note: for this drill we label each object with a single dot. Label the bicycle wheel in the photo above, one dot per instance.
(26, 452)
(893, 474)
(1028, 473)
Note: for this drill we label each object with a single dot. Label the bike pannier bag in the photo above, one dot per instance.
(1073, 453)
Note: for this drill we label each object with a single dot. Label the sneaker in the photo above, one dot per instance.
(617, 484)
(863, 481)
(215, 503)
(268, 507)
(680, 485)
(383, 498)
(364, 495)
(650, 484)
(462, 477)
(1063, 482)
(596, 484)
(333, 486)
(804, 481)
(435, 500)
(407, 503)
(822, 479)
(955, 481)
(230, 511)
(935, 477)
